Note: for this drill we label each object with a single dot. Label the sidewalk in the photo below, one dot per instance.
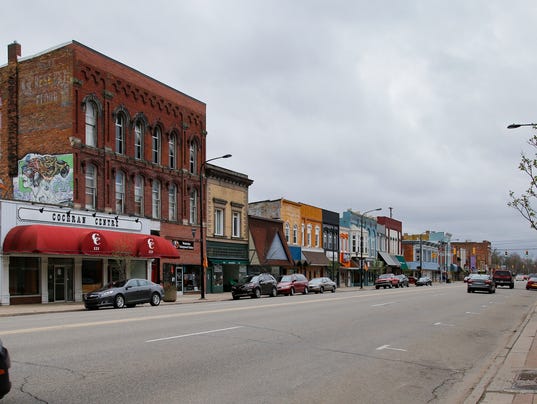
(511, 377)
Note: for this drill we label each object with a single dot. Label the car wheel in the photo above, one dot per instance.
(334, 289)
(321, 290)
(469, 291)
(235, 297)
(274, 292)
(377, 287)
(119, 302)
(257, 293)
(155, 299)
(306, 291)
(292, 292)
(511, 286)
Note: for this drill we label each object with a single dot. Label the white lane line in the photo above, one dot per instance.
(382, 304)
(380, 348)
(471, 312)
(444, 324)
(193, 334)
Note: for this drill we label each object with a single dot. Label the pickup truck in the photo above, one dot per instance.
(387, 281)
(503, 278)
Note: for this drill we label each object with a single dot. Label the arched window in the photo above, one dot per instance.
(138, 195)
(287, 232)
(172, 202)
(194, 207)
(172, 147)
(138, 140)
(120, 133)
(155, 199)
(193, 158)
(155, 145)
(91, 124)
(91, 187)
(295, 234)
(120, 192)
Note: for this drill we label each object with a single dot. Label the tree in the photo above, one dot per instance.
(523, 203)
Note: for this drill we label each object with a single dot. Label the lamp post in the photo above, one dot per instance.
(518, 125)
(362, 245)
(202, 257)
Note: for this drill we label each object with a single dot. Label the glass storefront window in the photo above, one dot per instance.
(24, 276)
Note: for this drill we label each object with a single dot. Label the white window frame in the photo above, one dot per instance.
(218, 221)
(155, 145)
(91, 187)
(139, 195)
(138, 141)
(295, 234)
(120, 191)
(91, 124)
(317, 234)
(287, 232)
(308, 235)
(172, 152)
(194, 207)
(155, 199)
(172, 202)
(120, 133)
(193, 158)
(236, 225)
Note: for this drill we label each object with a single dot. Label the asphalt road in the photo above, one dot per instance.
(411, 345)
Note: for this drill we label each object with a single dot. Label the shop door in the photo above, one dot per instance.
(179, 273)
(60, 284)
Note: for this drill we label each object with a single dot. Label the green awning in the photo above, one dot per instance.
(401, 259)
(229, 261)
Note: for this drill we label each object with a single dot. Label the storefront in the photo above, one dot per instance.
(52, 263)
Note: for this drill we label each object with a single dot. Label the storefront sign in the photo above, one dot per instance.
(183, 244)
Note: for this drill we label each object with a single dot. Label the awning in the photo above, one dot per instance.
(389, 259)
(402, 261)
(315, 258)
(61, 240)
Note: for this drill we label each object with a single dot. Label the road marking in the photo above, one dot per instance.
(380, 348)
(382, 304)
(444, 324)
(471, 312)
(193, 334)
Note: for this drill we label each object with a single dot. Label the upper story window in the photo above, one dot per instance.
(91, 124)
(138, 195)
(155, 146)
(302, 234)
(219, 222)
(155, 199)
(236, 225)
(317, 236)
(308, 235)
(172, 150)
(287, 232)
(194, 207)
(120, 192)
(193, 158)
(295, 234)
(138, 140)
(172, 202)
(91, 186)
(120, 133)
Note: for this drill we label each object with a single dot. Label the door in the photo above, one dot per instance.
(60, 284)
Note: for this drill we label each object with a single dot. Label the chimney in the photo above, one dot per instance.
(13, 50)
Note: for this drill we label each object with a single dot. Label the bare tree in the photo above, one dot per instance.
(523, 203)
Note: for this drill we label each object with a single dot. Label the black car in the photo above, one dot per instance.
(255, 286)
(319, 285)
(482, 282)
(5, 364)
(125, 293)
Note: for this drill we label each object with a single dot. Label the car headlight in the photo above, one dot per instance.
(107, 292)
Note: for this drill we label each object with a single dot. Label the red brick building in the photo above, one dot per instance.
(89, 141)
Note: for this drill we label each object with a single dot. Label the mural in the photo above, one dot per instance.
(45, 179)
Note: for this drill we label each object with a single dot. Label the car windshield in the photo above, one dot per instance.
(286, 278)
(479, 276)
(385, 276)
(248, 279)
(316, 280)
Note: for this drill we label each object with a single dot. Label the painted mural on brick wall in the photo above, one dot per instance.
(45, 179)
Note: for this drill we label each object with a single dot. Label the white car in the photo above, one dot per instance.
(520, 278)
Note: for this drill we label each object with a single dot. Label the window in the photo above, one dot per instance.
(354, 244)
(193, 207)
(295, 234)
(91, 186)
(120, 192)
(120, 133)
(24, 276)
(155, 199)
(236, 230)
(193, 158)
(91, 124)
(155, 145)
(287, 232)
(172, 146)
(138, 195)
(302, 235)
(309, 235)
(218, 222)
(138, 141)
(317, 234)
(172, 202)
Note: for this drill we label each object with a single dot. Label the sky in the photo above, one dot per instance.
(338, 104)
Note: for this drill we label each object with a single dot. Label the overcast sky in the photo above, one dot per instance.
(338, 104)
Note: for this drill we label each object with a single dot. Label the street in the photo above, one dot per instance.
(409, 345)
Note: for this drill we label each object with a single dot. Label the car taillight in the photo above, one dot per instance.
(470, 281)
(488, 282)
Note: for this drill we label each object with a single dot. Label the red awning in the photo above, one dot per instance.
(44, 239)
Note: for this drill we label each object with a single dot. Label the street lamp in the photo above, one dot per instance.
(518, 125)
(362, 245)
(202, 258)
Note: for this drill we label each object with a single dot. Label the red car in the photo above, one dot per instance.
(291, 284)
(532, 283)
(387, 281)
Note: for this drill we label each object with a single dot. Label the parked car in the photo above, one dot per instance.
(503, 278)
(403, 281)
(291, 284)
(520, 277)
(481, 282)
(319, 285)
(531, 283)
(125, 293)
(412, 279)
(386, 281)
(5, 364)
(424, 281)
(255, 286)
(466, 278)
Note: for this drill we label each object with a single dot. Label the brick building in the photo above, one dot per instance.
(87, 142)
